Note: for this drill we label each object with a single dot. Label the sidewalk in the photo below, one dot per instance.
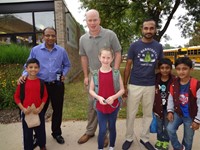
(11, 136)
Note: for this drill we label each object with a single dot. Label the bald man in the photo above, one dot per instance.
(89, 45)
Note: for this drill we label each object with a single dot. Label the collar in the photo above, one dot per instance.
(102, 31)
(43, 47)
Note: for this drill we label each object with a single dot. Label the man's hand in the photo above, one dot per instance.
(62, 78)
(21, 80)
(125, 95)
(86, 81)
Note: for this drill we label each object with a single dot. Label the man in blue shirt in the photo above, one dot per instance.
(54, 61)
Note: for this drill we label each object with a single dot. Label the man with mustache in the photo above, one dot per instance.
(144, 55)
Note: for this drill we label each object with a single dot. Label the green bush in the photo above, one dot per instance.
(13, 54)
(12, 58)
(9, 74)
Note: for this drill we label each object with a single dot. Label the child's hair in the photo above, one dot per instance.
(165, 61)
(32, 61)
(184, 60)
(106, 49)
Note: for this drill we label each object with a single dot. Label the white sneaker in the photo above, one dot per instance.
(111, 148)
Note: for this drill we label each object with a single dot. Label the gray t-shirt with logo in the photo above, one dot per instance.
(89, 46)
(145, 57)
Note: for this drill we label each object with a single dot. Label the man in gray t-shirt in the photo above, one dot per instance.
(89, 45)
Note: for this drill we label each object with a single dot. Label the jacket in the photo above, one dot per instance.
(193, 96)
(157, 106)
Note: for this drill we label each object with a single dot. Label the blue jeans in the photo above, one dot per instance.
(162, 134)
(188, 132)
(104, 120)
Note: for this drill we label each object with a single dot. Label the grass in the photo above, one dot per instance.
(76, 101)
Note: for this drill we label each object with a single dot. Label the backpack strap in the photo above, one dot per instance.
(115, 74)
(193, 86)
(95, 75)
(116, 80)
(22, 90)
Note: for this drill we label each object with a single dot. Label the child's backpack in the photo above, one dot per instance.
(115, 81)
(22, 92)
(193, 87)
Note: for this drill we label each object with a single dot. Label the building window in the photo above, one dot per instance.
(24, 28)
(16, 23)
(44, 19)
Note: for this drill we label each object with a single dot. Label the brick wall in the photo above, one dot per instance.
(60, 19)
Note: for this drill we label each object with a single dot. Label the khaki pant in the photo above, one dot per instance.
(92, 114)
(145, 94)
(92, 117)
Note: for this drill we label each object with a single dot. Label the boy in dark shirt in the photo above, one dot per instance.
(163, 80)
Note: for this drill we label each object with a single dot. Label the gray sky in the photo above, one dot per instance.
(173, 31)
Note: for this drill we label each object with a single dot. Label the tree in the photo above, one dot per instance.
(125, 17)
(167, 46)
(195, 36)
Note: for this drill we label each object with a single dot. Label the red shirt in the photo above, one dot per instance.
(32, 93)
(106, 89)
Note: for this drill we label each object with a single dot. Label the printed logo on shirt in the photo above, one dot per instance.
(147, 56)
(163, 93)
(183, 98)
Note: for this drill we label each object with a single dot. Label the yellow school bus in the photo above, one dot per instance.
(192, 52)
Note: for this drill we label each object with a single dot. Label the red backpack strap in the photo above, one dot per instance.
(171, 89)
(193, 86)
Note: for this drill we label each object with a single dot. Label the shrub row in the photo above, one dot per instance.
(12, 58)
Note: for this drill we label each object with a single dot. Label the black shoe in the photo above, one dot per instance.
(59, 139)
(147, 145)
(126, 145)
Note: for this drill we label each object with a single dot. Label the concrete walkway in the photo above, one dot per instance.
(11, 136)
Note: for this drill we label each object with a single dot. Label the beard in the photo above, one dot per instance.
(148, 35)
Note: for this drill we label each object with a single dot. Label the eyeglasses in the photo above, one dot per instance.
(48, 36)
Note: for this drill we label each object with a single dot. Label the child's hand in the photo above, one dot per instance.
(110, 100)
(101, 100)
(194, 126)
(37, 110)
(26, 110)
(170, 116)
